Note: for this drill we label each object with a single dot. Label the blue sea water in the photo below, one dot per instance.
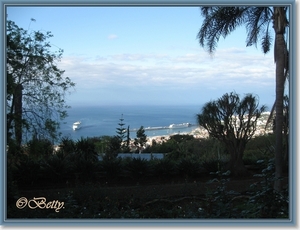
(98, 121)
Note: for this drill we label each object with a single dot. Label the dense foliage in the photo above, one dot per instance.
(36, 87)
(113, 187)
(141, 139)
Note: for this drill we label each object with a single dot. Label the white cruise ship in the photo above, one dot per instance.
(76, 125)
(176, 126)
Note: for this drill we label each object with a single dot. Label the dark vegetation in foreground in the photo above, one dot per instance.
(191, 181)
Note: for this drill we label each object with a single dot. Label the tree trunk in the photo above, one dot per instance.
(236, 164)
(280, 59)
(237, 167)
(280, 45)
(18, 114)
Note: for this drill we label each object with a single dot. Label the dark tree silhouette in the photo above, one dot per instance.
(221, 21)
(35, 85)
(232, 121)
(141, 139)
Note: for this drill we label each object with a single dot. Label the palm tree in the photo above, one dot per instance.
(221, 21)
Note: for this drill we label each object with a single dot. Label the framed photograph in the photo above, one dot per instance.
(147, 113)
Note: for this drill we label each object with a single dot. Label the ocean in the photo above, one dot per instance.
(99, 121)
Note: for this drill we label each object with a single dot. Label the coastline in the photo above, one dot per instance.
(159, 134)
(198, 132)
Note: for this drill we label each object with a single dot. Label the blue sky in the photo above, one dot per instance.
(147, 55)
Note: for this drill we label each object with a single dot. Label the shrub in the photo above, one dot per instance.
(85, 170)
(57, 168)
(113, 147)
(212, 165)
(86, 150)
(111, 169)
(188, 167)
(265, 202)
(138, 168)
(261, 146)
(252, 156)
(165, 167)
(27, 172)
(67, 146)
(214, 161)
(179, 138)
(39, 148)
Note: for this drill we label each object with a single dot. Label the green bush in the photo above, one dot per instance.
(265, 202)
(212, 165)
(67, 146)
(165, 167)
(85, 170)
(28, 172)
(86, 150)
(57, 169)
(39, 148)
(138, 168)
(111, 169)
(164, 147)
(252, 156)
(261, 146)
(189, 168)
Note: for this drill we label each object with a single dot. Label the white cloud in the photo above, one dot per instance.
(159, 73)
(112, 36)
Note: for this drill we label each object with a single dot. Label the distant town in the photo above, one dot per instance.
(200, 132)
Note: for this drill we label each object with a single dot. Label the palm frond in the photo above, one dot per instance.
(258, 21)
(266, 42)
(219, 21)
(205, 10)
